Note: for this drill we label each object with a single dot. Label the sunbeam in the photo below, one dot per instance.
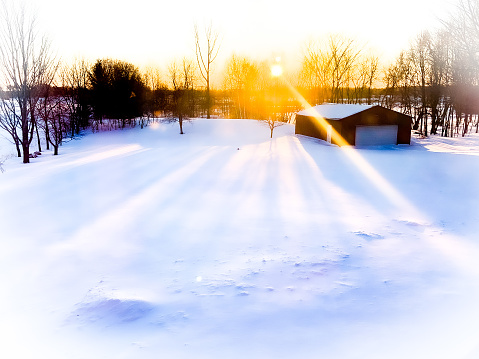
(407, 209)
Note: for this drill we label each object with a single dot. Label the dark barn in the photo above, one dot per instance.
(359, 125)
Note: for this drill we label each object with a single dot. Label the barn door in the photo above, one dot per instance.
(376, 135)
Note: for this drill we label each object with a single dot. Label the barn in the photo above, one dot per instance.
(357, 125)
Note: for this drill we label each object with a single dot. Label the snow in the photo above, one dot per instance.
(143, 243)
(334, 111)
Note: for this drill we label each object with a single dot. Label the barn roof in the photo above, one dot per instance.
(334, 111)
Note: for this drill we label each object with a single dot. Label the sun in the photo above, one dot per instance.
(276, 70)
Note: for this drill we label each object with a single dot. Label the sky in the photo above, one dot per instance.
(148, 32)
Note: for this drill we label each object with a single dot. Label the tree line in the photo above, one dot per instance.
(45, 100)
(435, 80)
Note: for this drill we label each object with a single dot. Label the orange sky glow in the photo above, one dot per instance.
(148, 32)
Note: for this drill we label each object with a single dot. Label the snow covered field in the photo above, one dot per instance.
(222, 243)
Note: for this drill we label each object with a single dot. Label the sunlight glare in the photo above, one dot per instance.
(276, 70)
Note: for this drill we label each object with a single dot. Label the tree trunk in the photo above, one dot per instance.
(208, 99)
(26, 153)
(17, 145)
(25, 143)
(55, 150)
(425, 122)
(38, 138)
(180, 121)
(47, 135)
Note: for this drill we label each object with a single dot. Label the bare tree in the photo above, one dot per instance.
(463, 26)
(182, 78)
(56, 116)
(419, 53)
(329, 67)
(363, 76)
(10, 121)
(315, 72)
(273, 104)
(439, 79)
(75, 82)
(54, 112)
(205, 58)
(25, 61)
(343, 54)
(372, 74)
(241, 80)
(155, 97)
(399, 80)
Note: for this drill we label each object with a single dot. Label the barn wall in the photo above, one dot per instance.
(338, 127)
(309, 126)
(377, 116)
(404, 130)
(346, 127)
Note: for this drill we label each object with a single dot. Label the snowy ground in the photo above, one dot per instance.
(222, 243)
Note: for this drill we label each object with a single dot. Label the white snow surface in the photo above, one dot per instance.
(222, 243)
(333, 111)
